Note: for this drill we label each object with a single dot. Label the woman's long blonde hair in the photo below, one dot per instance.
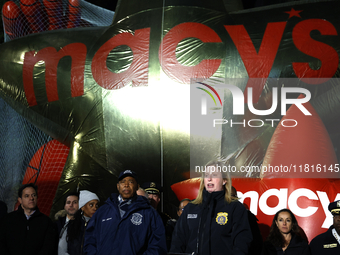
(227, 186)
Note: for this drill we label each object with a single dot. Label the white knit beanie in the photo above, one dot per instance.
(86, 196)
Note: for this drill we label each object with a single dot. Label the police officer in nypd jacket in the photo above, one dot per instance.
(125, 224)
(328, 243)
(214, 223)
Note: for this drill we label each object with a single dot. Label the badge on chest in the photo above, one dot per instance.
(222, 218)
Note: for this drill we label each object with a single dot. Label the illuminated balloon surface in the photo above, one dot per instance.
(119, 96)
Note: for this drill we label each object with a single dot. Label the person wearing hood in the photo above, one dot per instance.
(88, 205)
(214, 223)
(126, 223)
(27, 230)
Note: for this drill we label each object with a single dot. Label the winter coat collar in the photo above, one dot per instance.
(21, 211)
(208, 197)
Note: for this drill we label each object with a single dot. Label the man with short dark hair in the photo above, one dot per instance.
(328, 243)
(27, 230)
(181, 206)
(125, 224)
(71, 206)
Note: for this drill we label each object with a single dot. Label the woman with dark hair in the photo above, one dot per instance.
(284, 236)
(88, 204)
(214, 223)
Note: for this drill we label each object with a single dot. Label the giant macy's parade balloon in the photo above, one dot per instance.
(171, 85)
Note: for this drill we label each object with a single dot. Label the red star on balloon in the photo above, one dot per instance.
(293, 13)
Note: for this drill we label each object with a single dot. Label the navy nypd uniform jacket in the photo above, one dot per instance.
(140, 231)
(213, 227)
(325, 244)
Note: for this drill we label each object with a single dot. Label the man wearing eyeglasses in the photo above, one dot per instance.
(27, 230)
(328, 243)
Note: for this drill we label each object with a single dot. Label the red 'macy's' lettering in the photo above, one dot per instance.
(258, 64)
(77, 51)
(326, 54)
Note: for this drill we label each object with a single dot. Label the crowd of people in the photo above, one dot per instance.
(129, 223)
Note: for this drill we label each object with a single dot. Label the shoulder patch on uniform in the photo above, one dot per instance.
(222, 218)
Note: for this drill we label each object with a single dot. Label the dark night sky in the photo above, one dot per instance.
(111, 4)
